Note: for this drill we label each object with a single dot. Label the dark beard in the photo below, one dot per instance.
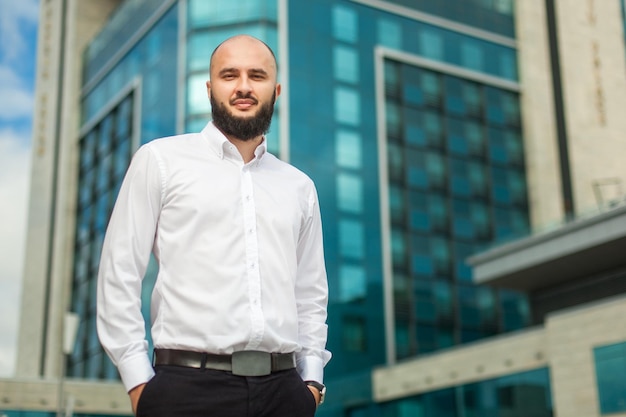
(243, 128)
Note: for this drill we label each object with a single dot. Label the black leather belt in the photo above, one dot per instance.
(244, 363)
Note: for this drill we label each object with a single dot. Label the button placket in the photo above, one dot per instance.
(252, 260)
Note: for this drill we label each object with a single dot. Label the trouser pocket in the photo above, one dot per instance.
(148, 395)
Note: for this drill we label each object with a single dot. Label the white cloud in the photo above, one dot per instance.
(14, 14)
(19, 95)
(14, 186)
(18, 22)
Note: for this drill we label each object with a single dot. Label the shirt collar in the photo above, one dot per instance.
(218, 142)
(261, 149)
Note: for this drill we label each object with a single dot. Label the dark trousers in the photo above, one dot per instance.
(187, 392)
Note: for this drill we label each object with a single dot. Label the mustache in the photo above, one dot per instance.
(241, 96)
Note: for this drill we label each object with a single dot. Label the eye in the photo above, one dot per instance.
(258, 75)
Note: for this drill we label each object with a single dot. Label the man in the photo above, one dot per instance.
(239, 305)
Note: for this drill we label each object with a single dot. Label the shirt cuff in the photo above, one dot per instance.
(135, 371)
(310, 368)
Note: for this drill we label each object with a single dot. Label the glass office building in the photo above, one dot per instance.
(405, 114)
(437, 133)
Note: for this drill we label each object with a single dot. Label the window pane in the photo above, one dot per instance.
(351, 239)
(197, 46)
(349, 193)
(610, 364)
(471, 54)
(215, 12)
(197, 99)
(394, 119)
(88, 146)
(347, 106)
(354, 334)
(348, 149)
(201, 42)
(397, 204)
(462, 251)
(398, 248)
(423, 128)
(346, 64)
(345, 24)
(392, 78)
(389, 34)
(431, 44)
(396, 163)
(352, 283)
(515, 310)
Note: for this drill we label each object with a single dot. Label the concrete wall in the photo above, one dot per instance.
(85, 397)
(538, 116)
(48, 269)
(39, 223)
(487, 359)
(571, 337)
(593, 65)
(591, 46)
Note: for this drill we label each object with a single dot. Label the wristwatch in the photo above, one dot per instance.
(320, 387)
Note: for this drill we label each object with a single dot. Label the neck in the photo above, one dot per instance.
(246, 147)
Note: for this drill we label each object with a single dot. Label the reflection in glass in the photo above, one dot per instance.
(345, 23)
(352, 283)
(347, 106)
(349, 193)
(351, 239)
(348, 149)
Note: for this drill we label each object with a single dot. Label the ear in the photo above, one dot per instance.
(278, 89)
(208, 89)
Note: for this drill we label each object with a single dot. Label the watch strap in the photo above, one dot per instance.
(320, 387)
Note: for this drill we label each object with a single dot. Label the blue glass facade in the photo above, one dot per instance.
(132, 103)
(329, 120)
(492, 16)
(456, 175)
(151, 61)
(457, 183)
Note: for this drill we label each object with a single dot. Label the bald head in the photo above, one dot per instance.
(242, 88)
(243, 43)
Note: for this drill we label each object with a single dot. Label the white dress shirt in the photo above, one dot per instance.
(240, 254)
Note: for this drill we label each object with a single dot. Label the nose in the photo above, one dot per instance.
(244, 86)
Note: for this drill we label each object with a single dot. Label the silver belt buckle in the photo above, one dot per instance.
(251, 363)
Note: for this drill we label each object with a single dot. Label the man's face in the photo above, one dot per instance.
(243, 88)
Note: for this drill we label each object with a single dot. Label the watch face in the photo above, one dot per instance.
(322, 394)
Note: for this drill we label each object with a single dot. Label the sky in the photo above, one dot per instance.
(18, 41)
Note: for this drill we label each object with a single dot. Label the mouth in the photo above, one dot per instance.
(243, 103)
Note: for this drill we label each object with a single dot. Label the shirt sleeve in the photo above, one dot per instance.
(125, 255)
(312, 295)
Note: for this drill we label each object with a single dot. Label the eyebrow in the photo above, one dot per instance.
(258, 71)
(255, 71)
